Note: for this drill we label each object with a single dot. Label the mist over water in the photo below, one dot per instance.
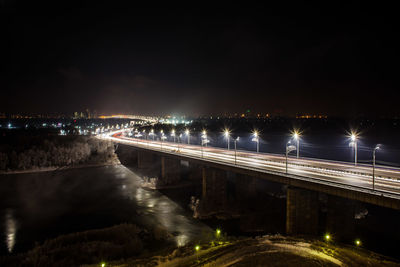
(38, 206)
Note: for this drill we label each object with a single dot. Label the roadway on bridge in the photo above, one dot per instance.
(387, 179)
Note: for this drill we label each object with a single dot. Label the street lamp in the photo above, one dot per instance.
(296, 137)
(353, 143)
(235, 141)
(173, 134)
(163, 137)
(204, 135)
(152, 133)
(256, 138)
(204, 140)
(373, 166)
(289, 148)
(179, 140)
(227, 136)
(187, 132)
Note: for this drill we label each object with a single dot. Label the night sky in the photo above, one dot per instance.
(336, 59)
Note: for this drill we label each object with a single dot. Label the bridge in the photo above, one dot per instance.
(343, 182)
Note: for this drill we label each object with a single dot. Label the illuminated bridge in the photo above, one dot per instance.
(305, 177)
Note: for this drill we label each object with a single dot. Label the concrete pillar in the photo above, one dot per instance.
(149, 163)
(302, 211)
(340, 220)
(127, 155)
(195, 172)
(145, 160)
(245, 187)
(170, 170)
(214, 193)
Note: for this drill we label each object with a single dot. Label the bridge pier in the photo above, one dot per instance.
(301, 211)
(127, 155)
(340, 217)
(214, 194)
(170, 170)
(148, 161)
(245, 187)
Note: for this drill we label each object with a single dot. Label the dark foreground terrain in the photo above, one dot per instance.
(130, 245)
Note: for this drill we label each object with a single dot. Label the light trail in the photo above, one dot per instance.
(387, 179)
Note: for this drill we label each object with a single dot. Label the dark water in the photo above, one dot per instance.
(38, 206)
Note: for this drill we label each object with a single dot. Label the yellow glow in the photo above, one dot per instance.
(255, 133)
(197, 248)
(226, 132)
(218, 231)
(327, 237)
(353, 136)
(103, 264)
(357, 242)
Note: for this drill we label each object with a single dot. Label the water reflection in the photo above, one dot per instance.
(80, 199)
(11, 229)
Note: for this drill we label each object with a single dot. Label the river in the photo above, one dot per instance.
(38, 206)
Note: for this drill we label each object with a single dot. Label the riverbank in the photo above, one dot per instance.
(51, 169)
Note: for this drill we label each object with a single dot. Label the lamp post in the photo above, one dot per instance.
(204, 141)
(353, 143)
(373, 166)
(152, 133)
(235, 141)
(289, 148)
(187, 132)
(163, 137)
(173, 134)
(227, 136)
(256, 139)
(296, 137)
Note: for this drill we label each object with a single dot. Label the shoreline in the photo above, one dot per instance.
(52, 169)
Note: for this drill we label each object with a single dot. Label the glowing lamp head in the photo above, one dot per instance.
(218, 231)
(204, 132)
(197, 248)
(327, 237)
(255, 133)
(103, 264)
(295, 135)
(226, 133)
(162, 131)
(152, 130)
(357, 242)
(187, 132)
(173, 131)
(353, 137)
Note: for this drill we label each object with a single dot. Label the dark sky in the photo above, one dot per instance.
(336, 59)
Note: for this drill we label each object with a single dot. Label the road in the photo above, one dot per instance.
(387, 179)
